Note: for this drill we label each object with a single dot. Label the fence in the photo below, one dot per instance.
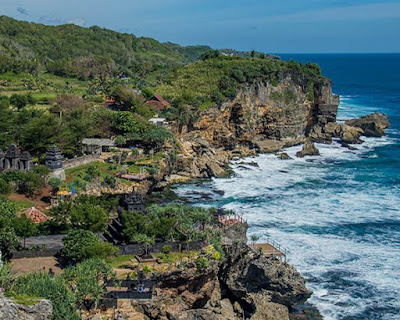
(157, 247)
(76, 162)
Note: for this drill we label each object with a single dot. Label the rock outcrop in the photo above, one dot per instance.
(309, 149)
(246, 284)
(261, 118)
(42, 310)
(247, 275)
(372, 125)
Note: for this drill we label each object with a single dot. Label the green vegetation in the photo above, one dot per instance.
(80, 245)
(218, 78)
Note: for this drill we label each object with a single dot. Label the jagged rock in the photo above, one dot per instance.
(284, 156)
(373, 125)
(309, 149)
(10, 310)
(246, 272)
(267, 310)
(350, 134)
(215, 170)
(267, 146)
(333, 129)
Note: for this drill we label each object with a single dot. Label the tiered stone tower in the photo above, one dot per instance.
(54, 162)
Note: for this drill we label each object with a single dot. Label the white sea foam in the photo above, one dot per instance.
(323, 212)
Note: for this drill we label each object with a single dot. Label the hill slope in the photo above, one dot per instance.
(27, 47)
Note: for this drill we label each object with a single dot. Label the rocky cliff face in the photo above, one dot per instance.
(246, 285)
(42, 310)
(261, 118)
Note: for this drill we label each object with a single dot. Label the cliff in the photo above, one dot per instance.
(260, 118)
(246, 285)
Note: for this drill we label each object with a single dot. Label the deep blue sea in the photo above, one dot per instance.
(338, 216)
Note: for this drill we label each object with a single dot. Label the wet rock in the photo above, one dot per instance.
(309, 149)
(373, 125)
(284, 156)
(350, 134)
(220, 192)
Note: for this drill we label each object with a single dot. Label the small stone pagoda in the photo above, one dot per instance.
(54, 162)
(13, 159)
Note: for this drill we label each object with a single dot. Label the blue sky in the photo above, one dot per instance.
(277, 26)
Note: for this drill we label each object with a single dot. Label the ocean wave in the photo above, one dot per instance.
(336, 215)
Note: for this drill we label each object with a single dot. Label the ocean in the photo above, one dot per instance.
(337, 215)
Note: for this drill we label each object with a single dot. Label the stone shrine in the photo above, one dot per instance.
(54, 162)
(13, 159)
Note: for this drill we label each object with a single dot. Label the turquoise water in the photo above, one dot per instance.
(339, 214)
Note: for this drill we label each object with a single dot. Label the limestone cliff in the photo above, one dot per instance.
(261, 118)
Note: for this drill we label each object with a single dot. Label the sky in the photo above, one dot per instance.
(273, 26)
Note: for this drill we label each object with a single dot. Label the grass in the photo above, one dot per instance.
(23, 204)
(119, 261)
(174, 257)
(25, 299)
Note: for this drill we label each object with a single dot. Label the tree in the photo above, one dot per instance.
(24, 227)
(8, 240)
(254, 239)
(8, 211)
(19, 101)
(85, 281)
(40, 133)
(80, 245)
(75, 242)
(120, 141)
(86, 216)
(54, 183)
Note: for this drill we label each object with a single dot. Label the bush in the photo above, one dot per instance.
(5, 187)
(201, 264)
(166, 249)
(80, 245)
(53, 288)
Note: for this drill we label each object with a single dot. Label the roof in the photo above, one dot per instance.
(158, 102)
(35, 215)
(98, 142)
(157, 120)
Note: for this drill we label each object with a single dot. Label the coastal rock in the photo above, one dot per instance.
(350, 134)
(284, 156)
(246, 272)
(309, 149)
(373, 125)
(42, 310)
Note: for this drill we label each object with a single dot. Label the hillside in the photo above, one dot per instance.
(214, 80)
(30, 47)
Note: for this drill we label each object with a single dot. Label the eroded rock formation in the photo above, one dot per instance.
(42, 310)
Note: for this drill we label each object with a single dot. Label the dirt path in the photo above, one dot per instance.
(26, 265)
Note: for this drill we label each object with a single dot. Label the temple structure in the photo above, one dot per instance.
(13, 159)
(54, 162)
(132, 202)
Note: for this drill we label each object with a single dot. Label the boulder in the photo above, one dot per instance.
(42, 310)
(350, 134)
(373, 125)
(215, 170)
(284, 156)
(309, 149)
(246, 272)
(267, 146)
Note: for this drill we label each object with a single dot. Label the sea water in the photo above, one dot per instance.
(338, 215)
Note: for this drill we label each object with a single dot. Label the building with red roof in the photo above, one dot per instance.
(158, 102)
(35, 215)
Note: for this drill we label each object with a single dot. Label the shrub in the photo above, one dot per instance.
(166, 249)
(201, 264)
(5, 187)
(52, 288)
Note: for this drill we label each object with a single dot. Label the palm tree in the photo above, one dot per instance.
(254, 239)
